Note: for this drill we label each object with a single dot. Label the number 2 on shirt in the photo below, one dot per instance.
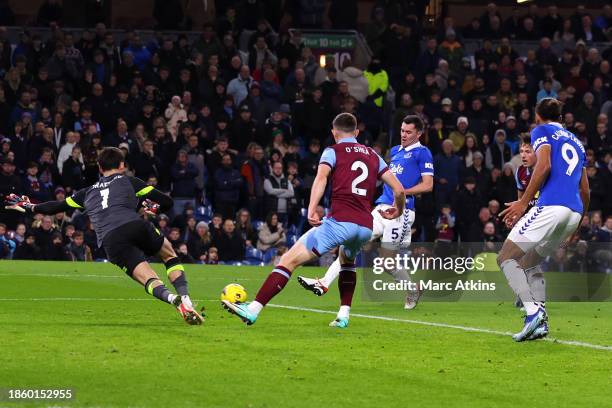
(359, 165)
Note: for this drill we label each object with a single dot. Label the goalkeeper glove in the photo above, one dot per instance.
(150, 207)
(18, 203)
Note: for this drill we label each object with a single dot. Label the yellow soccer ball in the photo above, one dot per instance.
(234, 293)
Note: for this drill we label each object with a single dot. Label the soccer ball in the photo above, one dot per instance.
(234, 293)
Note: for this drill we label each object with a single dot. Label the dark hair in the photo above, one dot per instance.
(526, 140)
(78, 234)
(549, 109)
(272, 228)
(345, 122)
(110, 158)
(416, 121)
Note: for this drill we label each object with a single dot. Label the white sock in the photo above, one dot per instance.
(518, 282)
(344, 312)
(171, 298)
(186, 301)
(530, 307)
(255, 307)
(537, 283)
(332, 273)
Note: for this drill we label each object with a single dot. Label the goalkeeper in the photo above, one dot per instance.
(112, 206)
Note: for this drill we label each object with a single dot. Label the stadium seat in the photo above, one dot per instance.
(292, 230)
(269, 254)
(253, 254)
(256, 224)
(203, 213)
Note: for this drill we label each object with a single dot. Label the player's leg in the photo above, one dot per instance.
(531, 263)
(508, 260)
(315, 285)
(146, 276)
(273, 285)
(319, 286)
(174, 270)
(153, 242)
(347, 281)
(540, 230)
(322, 239)
(397, 236)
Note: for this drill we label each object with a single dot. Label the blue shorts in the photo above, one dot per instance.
(332, 233)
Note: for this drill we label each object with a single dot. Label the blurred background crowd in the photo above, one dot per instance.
(231, 119)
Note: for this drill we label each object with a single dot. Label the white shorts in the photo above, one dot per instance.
(544, 228)
(397, 231)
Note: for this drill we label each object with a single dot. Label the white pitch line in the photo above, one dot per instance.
(192, 277)
(446, 326)
(365, 316)
(60, 299)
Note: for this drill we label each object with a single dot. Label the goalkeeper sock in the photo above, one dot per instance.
(179, 283)
(156, 287)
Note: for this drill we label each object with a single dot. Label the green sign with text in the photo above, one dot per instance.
(328, 41)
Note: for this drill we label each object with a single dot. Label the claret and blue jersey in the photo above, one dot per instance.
(567, 159)
(408, 164)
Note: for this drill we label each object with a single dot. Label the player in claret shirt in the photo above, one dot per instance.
(412, 164)
(112, 205)
(523, 172)
(354, 170)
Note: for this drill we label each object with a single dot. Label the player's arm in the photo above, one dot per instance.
(540, 173)
(424, 186)
(23, 204)
(147, 192)
(317, 191)
(585, 195)
(426, 167)
(399, 197)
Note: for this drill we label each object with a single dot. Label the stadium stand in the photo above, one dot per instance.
(207, 115)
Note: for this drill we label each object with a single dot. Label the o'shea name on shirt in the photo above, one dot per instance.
(357, 149)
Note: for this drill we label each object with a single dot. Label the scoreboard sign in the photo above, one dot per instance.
(341, 44)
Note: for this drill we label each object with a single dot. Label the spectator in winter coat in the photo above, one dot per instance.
(447, 165)
(239, 87)
(271, 233)
(227, 186)
(357, 82)
(27, 250)
(184, 187)
(229, 243)
(278, 191)
(174, 115)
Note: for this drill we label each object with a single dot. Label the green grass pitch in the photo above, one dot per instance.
(89, 327)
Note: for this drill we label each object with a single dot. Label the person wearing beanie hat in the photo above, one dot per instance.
(459, 135)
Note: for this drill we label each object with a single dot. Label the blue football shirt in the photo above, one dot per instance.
(408, 164)
(567, 159)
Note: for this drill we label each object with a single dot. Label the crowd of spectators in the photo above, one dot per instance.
(234, 136)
